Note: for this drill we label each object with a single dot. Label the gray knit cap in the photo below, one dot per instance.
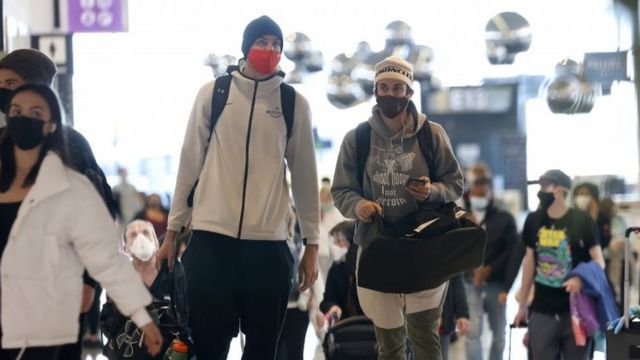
(32, 65)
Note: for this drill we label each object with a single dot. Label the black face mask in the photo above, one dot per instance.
(392, 106)
(5, 95)
(546, 199)
(25, 132)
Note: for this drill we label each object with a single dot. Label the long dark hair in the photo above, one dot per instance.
(55, 141)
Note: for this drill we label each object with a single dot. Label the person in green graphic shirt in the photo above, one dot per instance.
(557, 239)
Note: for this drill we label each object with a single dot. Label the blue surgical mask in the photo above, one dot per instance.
(479, 202)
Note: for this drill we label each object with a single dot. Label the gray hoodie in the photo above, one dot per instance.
(394, 158)
(242, 190)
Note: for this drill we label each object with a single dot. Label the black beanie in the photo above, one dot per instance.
(32, 65)
(261, 26)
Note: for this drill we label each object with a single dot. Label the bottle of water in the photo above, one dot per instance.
(177, 351)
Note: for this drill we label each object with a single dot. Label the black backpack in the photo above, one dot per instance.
(363, 146)
(219, 100)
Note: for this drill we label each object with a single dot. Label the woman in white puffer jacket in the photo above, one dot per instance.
(53, 224)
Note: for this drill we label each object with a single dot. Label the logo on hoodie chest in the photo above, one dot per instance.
(275, 112)
(392, 168)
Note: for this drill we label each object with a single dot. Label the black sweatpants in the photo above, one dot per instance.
(294, 332)
(236, 284)
(551, 338)
(74, 351)
(93, 315)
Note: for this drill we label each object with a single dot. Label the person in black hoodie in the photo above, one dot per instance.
(487, 287)
(340, 295)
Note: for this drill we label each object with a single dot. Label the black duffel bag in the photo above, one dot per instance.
(401, 260)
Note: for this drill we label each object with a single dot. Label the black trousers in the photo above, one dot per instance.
(294, 332)
(74, 351)
(93, 315)
(33, 353)
(236, 285)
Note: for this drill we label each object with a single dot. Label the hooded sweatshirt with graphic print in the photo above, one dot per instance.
(393, 158)
(242, 191)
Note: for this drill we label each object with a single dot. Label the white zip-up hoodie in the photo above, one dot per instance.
(62, 227)
(242, 190)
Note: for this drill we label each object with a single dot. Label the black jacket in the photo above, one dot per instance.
(168, 287)
(502, 237)
(341, 287)
(455, 305)
(604, 229)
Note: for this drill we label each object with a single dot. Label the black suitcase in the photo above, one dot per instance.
(354, 339)
(351, 338)
(626, 344)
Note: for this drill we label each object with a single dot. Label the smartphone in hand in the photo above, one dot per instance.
(415, 181)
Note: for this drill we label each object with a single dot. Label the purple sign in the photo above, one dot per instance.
(97, 15)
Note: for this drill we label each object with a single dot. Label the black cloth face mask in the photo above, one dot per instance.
(392, 106)
(26, 132)
(546, 199)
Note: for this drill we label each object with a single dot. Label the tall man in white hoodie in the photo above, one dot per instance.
(238, 265)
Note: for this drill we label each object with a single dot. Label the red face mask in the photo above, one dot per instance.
(264, 61)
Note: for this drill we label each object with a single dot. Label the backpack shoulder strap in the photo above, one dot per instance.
(288, 101)
(363, 146)
(425, 140)
(219, 100)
